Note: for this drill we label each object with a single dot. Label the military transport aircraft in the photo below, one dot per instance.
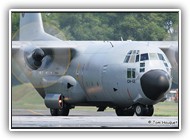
(128, 76)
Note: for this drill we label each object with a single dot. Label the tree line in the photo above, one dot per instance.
(139, 26)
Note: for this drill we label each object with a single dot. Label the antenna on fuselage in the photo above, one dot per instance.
(111, 44)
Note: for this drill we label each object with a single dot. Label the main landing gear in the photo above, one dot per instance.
(139, 109)
(124, 111)
(142, 110)
(64, 111)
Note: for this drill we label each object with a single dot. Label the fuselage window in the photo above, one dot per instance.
(144, 56)
(161, 57)
(153, 56)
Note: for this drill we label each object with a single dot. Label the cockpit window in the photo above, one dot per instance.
(130, 52)
(132, 60)
(153, 56)
(161, 57)
(131, 56)
(144, 56)
(137, 58)
(134, 56)
(134, 51)
(127, 59)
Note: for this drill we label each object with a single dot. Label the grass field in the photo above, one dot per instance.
(166, 109)
(26, 97)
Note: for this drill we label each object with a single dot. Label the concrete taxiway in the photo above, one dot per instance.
(87, 119)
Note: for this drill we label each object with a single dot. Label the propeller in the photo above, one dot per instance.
(34, 59)
(40, 62)
(26, 59)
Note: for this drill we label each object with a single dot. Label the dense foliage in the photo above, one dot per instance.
(109, 26)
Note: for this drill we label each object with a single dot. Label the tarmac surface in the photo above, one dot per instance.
(81, 119)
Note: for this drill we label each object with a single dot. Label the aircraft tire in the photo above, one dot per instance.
(140, 110)
(64, 111)
(150, 110)
(54, 112)
(124, 112)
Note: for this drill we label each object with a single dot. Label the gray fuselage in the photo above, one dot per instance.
(98, 73)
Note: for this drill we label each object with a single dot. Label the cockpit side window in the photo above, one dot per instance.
(130, 52)
(161, 57)
(137, 58)
(144, 56)
(127, 59)
(133, 73)
(128, 73)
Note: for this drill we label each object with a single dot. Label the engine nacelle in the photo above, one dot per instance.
(67, 86)
(72, 90)
(53, 101)
(34, 58)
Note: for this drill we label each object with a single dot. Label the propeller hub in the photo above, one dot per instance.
(34, 59)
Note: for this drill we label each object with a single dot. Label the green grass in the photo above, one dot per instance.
(26, 97)
(166, 109)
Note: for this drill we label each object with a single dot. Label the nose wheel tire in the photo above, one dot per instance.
(142, 110)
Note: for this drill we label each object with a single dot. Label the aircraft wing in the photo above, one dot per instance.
(171, 49)
(47, 57)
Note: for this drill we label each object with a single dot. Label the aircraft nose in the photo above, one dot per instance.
(155, 83)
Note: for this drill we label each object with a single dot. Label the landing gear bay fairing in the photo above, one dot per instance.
(128, 76)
